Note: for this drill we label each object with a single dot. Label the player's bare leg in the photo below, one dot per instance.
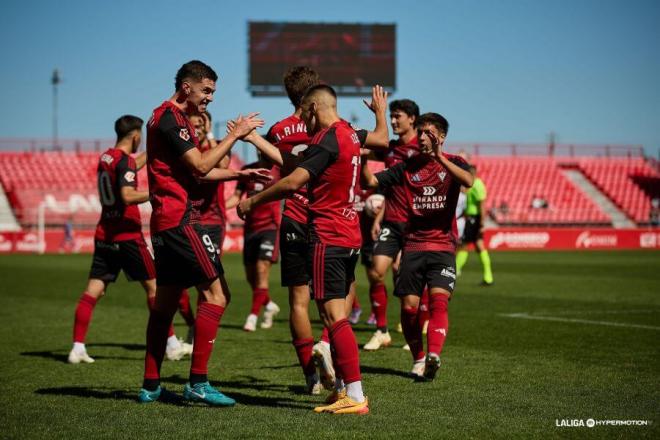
(412, 331)
(214, 297)
(334, 313)
(378, 296)
(94, 290)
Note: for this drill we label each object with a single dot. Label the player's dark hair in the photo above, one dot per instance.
(320, 88)
(127, 123)
(297, 80)
(195, 70)
(438, 121)
(407, 106)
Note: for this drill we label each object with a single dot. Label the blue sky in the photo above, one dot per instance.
(500, 70)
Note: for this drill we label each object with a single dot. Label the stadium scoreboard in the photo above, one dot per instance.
(350, 57)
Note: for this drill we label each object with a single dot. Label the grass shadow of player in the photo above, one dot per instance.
(124, 345)
(92, 393)
(384, 371)
(63, 357)
(272, 402)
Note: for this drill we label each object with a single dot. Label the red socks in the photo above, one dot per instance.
(185, 309)
(346, 351)
(304, 351)
(378, 295)
(206, 329)
(438, 324)
(156, 343)
(151, 301)
(83, 315)
(325, 336)
(260, 297)
(424, 307)
(412, 331)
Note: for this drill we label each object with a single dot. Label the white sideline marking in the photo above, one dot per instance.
(603, 312)
(578, 321)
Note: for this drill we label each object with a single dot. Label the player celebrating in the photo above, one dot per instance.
(185, 254)
(432, 181)
(389, 225)
(260, 248)
(331, 166)
(118, 242)
(475, 218)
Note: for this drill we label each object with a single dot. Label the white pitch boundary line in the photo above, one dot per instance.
(578, 321)
(601, 312)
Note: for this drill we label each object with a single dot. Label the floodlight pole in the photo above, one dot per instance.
(55, 81)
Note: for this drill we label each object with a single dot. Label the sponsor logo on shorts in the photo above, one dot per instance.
(448, 274)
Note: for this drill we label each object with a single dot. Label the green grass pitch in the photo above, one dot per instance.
(583, 343)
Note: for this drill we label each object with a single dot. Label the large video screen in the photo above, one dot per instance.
(350, 57)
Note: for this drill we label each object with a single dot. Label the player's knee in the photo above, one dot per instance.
(376, 276)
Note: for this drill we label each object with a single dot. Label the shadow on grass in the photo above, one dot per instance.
(62, 357)
(124, 345)
(385, 371)
(166, 397)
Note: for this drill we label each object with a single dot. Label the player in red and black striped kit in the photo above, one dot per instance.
(185, 254)
(389, 225)
(260, 248)
(432, 182)
(330, 168)
(118, 242)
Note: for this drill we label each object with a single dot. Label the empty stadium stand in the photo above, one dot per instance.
(67, 179)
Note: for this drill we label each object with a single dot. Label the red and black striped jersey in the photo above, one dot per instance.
(290, 137)
(333, 161)
(431, 197)
(119, 222)
(396, 208)
(263, 217)
(173, 189)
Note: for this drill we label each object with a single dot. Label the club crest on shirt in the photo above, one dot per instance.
(442, 176)
(410, 153)
(184, 134)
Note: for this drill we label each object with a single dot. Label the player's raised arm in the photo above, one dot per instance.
(379, 138)
(383, 179)
(283, 188)
(268, 149)
(202, 163)
(225, 174)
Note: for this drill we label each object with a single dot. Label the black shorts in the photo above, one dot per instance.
(185, 256)
(367, 253)
(217, 234)
(419, 269)
(261, 246)
(131, 256)
(294, 248)
(472, 231)
(390, 239)
(332, 269)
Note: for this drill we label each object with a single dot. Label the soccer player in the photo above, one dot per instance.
(432, 181)
(475, 216)
(185, 254)
(118, 241)
(388, 227)
(330, 168)
(260, 248)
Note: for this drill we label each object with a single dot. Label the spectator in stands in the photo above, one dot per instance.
(539, 202)
(654, 213)
(68, 240)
